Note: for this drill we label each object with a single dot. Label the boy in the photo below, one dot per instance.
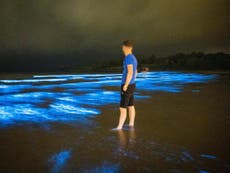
(128, 85)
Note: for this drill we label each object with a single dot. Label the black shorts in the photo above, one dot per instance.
(127, 97)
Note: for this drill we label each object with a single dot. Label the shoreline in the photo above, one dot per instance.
(100, 72)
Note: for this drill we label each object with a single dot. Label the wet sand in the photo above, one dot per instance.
(179, 132)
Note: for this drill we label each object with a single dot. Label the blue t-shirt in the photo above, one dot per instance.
(129, 59)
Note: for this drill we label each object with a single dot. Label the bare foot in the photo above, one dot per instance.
(116, 128)
(127, 125)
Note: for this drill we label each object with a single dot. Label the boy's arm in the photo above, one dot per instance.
(129, 76)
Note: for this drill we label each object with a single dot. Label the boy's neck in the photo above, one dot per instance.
(127, 53)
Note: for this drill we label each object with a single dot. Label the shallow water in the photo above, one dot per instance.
(61, 123)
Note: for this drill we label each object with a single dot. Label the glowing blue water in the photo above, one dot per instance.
(42, 99)
(59, 160)
(105, 168)
(208, 156)
(202, 171)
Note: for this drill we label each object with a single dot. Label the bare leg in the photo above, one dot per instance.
(122, 119)
(131, 115)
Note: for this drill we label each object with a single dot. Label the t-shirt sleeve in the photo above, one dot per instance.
(129, 60)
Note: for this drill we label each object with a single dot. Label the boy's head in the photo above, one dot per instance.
(127, 46)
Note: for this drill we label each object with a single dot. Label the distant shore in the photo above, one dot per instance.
(196, 61)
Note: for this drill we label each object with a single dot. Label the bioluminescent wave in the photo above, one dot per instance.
(5, 89)
(42, 99)
(32, 80)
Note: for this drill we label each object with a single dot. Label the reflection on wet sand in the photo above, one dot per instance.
(126, 138)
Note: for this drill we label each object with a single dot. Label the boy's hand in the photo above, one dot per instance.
(125, 87)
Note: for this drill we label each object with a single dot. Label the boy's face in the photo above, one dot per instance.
(125, 49)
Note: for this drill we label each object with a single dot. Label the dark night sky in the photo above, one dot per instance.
(73, 31)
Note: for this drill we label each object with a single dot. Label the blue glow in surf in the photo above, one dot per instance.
(186, 156)
(208, 156)
(203, 171)
(5, 89)
(63, 107)
(59, 160)
(31, 80)
(30, 97)
(41, 99)
(106, 167)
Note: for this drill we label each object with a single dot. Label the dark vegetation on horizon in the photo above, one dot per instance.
(179, 61)
(39, 63)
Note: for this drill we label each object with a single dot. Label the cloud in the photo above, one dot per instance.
(88, 27)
